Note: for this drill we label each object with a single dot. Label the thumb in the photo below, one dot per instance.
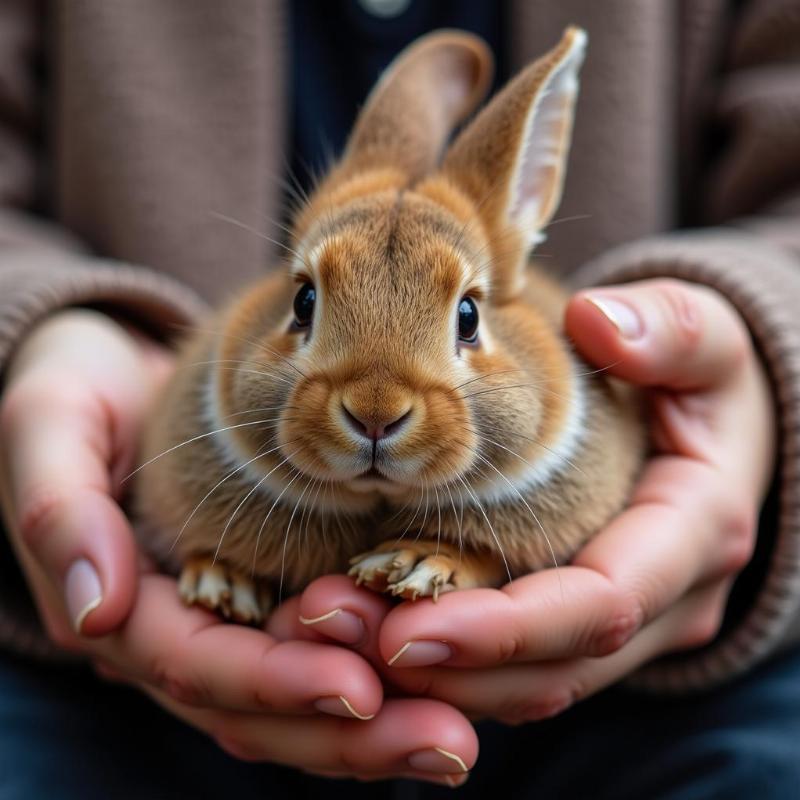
(663, 332)
(73, 540)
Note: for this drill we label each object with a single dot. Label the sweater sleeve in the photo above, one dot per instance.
(748, 187)
(763, 282)
(43, 267)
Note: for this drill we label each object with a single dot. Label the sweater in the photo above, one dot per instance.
(128, 129)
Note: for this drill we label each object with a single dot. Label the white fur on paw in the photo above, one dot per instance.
(213, 589)
(377, 569)
(429, 578)
(371, 568)
(218, 588)
(245, 605)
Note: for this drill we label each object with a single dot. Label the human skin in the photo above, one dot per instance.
(75, 396)
(654, 581)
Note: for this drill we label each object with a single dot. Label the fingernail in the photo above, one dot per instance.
(420, 654)
(622, 316)
(437, 760)
(340, 707)
(345, 626)
(82, 590)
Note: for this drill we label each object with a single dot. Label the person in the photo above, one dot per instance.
(128, 130)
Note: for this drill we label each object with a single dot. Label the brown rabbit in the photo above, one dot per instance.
(404, 390)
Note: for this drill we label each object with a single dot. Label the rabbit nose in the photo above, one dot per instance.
(375, 428)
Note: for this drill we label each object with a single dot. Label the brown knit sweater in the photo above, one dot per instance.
(124, 126)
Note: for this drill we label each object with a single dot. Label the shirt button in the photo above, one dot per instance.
(385, 8)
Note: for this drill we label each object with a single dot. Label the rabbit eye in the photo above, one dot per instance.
(304, 305)
(467, 320)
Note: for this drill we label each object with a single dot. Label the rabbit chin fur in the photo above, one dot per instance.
(510, 447)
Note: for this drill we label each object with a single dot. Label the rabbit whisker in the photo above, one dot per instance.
(455, 517)
(573, 218)
(510, 386)
(530, 510)
(411, 521)
(263, 364)
(264, 521)
(214, 488)
(260, 410)
(487, 375)
(439, 523)
(529, 369)
(244, 500)
(260, 234)
(193, 439)
(425, 515)
(482, 427)
(489, 524)
(269, 375)
(286, 537)
(310, 506)
(246, 340)
(268, 370)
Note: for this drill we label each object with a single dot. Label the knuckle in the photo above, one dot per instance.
(236, 746)
(40, 514)
(736, 524)
(618, 628)
(183, 690)
(740, 531)
(737, 337)
(682, 313)
(510, 645)
(181, 687)
(548, 705)
(344, 761)
(703, 627)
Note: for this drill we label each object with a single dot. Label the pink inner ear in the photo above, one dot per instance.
(545, 143)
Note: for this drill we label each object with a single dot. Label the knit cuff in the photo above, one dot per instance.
(34, 284)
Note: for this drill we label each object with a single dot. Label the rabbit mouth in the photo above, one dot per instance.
(372, 480)
(372, 472)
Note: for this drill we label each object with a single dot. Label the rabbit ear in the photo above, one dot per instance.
(510, 160)
(425, 92)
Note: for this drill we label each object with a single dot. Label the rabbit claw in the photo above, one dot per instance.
(430, 577)
(411, 571)
(217, 587)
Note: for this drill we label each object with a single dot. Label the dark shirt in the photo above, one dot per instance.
(338, 50)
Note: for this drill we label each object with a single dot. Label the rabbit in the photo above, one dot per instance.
(401, 400)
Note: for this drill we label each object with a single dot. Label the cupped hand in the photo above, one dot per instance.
(657, 578)
(76, 393)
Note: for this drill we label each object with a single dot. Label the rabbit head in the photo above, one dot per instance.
(402, 351)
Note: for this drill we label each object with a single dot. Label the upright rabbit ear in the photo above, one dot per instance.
(433, 85)
(510, 160)
(425, 92)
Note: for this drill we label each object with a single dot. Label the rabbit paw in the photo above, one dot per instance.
(219, 588)
(408, 569)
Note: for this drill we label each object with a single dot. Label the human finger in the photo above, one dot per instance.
(659, 332)
(408, 735)
(198, 660)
